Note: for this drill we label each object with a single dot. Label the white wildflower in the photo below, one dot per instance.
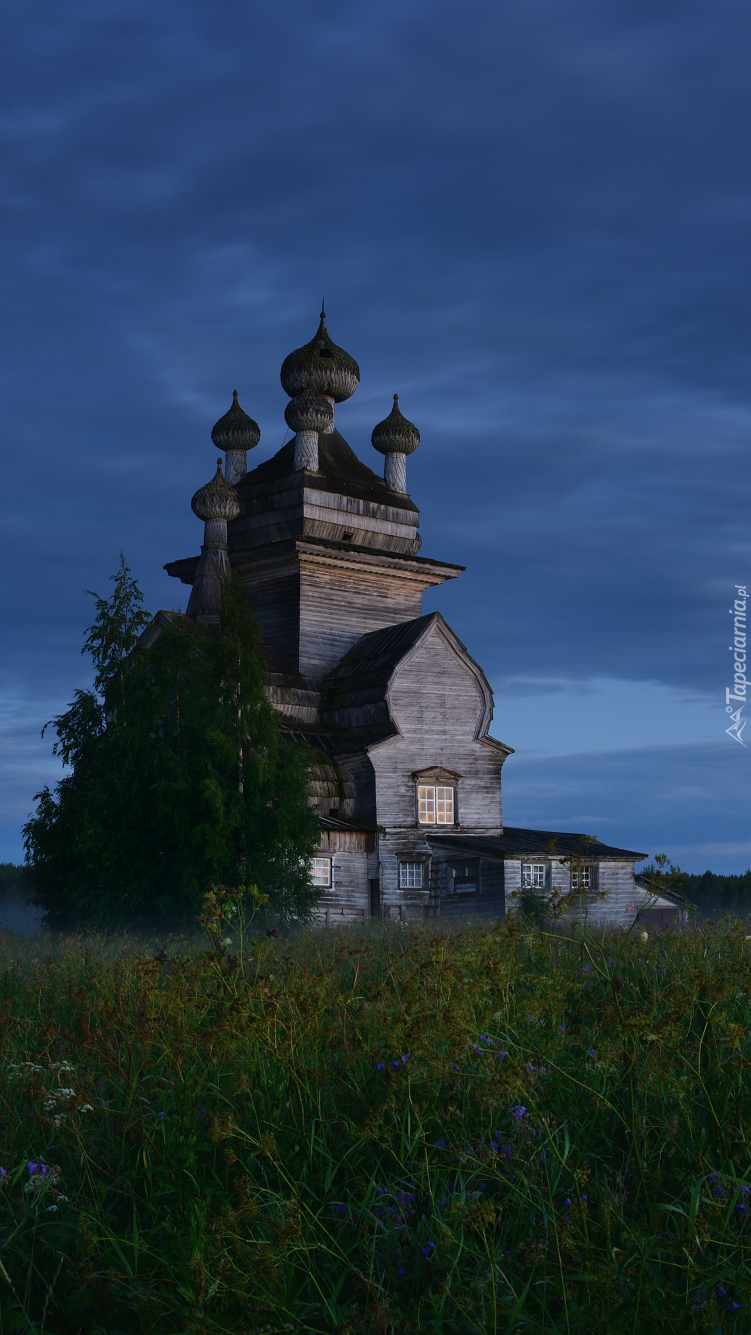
(86, 1107)
(51, 1209)
(645, 936)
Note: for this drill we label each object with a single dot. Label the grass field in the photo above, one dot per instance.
(490, 1130)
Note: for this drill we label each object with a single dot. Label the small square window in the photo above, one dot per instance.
(583, 878)
(321, 872)
(533, 876)
(410, 875)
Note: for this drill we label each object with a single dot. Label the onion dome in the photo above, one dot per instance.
(217, 500)
(332, 370)
(309, 411)
(235, 431)
(395, 435)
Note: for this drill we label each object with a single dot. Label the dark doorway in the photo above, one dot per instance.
(375, 898)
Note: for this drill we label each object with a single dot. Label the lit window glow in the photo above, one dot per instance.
(435, 805)
(321, 871)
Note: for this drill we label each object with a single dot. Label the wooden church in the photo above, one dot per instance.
(408, 783)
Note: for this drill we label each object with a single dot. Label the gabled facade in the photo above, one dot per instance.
(408, 784)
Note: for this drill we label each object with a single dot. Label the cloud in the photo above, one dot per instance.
(530, 219)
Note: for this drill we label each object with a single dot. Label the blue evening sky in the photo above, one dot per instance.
(530, 218)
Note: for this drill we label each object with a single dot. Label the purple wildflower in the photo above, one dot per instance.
(740, 1209)
(37, 1168)
(501, 1055)
(518, 1112)
(732, 1307)
(379, 1067)
(405, 1057)
(485, 1038)
(440, 1144)
(2, 1174)
(395, 1066)
(427, 1250)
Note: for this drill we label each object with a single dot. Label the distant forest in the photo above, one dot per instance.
(714, 895)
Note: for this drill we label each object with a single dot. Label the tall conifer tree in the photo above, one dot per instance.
(179, 775)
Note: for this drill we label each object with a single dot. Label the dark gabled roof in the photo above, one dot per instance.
(339, 470)
(357, 826)
(672, 896)
(515, 842)
(363, 674)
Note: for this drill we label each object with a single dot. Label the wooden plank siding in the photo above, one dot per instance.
(438, 706)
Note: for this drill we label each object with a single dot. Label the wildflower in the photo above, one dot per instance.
(732, 1307)
(427, 1250)
(405, 1057)
(51, 1209)
(379, 1067)
(441, 1145)
(591, 1052)
(501, 1055)
(37, 1168)
(745, 1190)
(567, 1201)
(645, 936)
(485, 1038)
(518, 1112)
(86, 1107)
(740, 1209)
(395, 1066)
(720, 1291)
(2, 1174)
(272, 931)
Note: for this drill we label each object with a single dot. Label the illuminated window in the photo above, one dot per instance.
(410, 875)
(435, 804)
(583, 878)
(321, 872)
(533, 876)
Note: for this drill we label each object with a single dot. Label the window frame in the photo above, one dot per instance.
(474, 865)
(322, 885)
(581, 871)
(531, 867)
(414, 863)
(434, 802)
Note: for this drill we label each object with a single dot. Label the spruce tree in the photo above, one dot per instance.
(179, 776)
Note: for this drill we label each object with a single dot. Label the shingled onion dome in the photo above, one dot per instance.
(333, 372)
(396, 438)
(215, 504)
(236, 433)
(308, 414)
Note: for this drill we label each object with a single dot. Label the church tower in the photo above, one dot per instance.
(325, 548)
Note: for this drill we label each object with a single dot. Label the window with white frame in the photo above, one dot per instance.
(584, 877)
(533, 876)
(410, 875)
(435, 804)
(321, 872)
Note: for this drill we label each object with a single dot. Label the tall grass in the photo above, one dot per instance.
(491, 1130)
